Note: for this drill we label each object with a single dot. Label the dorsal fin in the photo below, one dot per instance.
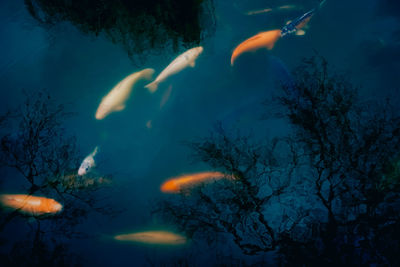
(119, 107)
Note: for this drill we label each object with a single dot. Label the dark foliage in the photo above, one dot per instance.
(39, 156)
(26, 253)
(326, 195)
(138, 25)
(351, 148)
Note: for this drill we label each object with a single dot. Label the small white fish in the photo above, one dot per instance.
(181, 62)
(88, 163)
(116, 98)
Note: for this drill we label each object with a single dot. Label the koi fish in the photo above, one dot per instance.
(299, 23)
(260, 11)
(154, 237)
(261, 40)
(115, 100)
(178, 64)
(267, 10)
(88, 163)
(30, 204)
(79, 182)
(174, 185)
(268, 39)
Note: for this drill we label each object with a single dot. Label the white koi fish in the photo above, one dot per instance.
(116, 98)
(88, 163)
(181, 62)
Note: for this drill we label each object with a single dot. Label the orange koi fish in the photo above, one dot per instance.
(261, 40)
(174, 185)
(30, 204)
(154, 237)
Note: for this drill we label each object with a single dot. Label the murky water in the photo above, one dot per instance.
(142, 143)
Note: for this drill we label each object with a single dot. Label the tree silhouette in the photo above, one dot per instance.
(326, 194)
(139, 26)
(349, 147)
(40, 157)
(243, 207)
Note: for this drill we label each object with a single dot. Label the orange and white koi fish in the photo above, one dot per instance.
(154, 237)
(174, 185)
(115, 100)
(30, 204)
(183, 61)
(262, 40)
(88, 163)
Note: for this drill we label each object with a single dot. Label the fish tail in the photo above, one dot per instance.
(233, 59)
(148, 73)
(322, 3)
(152, 86)
(3, 199)
(235, 54)
(96, 149)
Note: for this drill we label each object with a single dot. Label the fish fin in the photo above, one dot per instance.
(120, 107)
(255, 37)
(192, 64)
(152, 86)
(300, 32)
(96, 149)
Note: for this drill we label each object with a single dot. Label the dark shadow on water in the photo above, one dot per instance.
(141, 27)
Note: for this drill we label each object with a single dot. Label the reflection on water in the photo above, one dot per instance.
(137, 25)
(258, 197)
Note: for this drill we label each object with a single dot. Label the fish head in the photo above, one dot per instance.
(170, 187)
(198, 50)
(119, 237)
(48, 205)
(102, 112)
(82, 170)
(55, 206)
